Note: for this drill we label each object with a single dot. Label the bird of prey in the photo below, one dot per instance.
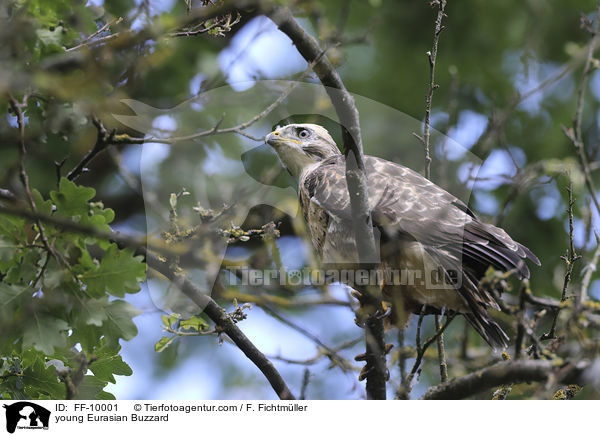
(421, 228)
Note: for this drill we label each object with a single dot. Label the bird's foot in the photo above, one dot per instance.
(384, 312)
(369, 367)
(365, 315)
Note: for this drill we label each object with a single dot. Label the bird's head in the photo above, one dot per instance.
(301, 146)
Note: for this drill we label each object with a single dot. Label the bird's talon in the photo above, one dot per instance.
(356, 295)
(361, 357)
(364, 373)
(388, 312)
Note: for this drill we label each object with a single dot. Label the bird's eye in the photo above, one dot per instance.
(303, 133)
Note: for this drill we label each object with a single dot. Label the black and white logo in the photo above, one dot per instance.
(26, 415)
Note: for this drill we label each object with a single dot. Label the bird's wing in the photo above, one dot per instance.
(405, 204)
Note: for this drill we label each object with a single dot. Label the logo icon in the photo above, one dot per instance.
(26, 415)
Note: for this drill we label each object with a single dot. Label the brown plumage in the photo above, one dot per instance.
(421, 228)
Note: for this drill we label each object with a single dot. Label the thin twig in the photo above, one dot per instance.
(432, 56)
(72, 226)
(17, 108)
(570, 258)
(331, 352)
(574, 133)
(305, 381)
(441, 350)
(86, 40)
(72, 378)
(407, 385)
(224, 321)
(521, 320)
(589, 271)
(194, 17)
(103, 139)
(220, 24)
(343, 365)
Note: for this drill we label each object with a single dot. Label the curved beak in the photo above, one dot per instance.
(272, 137)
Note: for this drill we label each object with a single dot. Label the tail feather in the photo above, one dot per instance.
(488, 329)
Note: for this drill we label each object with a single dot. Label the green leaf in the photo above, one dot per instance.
(87, 336)
(92, 388)
(90, 312)
(163, 343)
(43, 206)
(9, 294)
(119, 272)
(41, 382)
(12, 228)
(194, 323)
(108, 364)
(169, 320)
(29, 267)
(72, 200)
(44, 333)
(119, 322)
(7, 250)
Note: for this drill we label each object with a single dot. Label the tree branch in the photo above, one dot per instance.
(570, 258)
(504, 373)
(574, 133)
(408, 383)
(589, 269)
(432, 56)
(73, 226)
(104, 138)
(152, 31)
(343, 102)
(72, 378)
(327, 350)
(222, 319)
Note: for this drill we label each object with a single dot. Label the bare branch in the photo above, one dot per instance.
(589, 270)
(432, 56)
(441, 350)
(88, 41)
(17, 108)
(103, 140)
(574, 133)
(407, 384)
(328, 351)
(192, 19)
(224, 321)
(505, 373)
(570, 258)
(72, 378)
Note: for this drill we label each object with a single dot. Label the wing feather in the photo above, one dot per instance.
(406, 206)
